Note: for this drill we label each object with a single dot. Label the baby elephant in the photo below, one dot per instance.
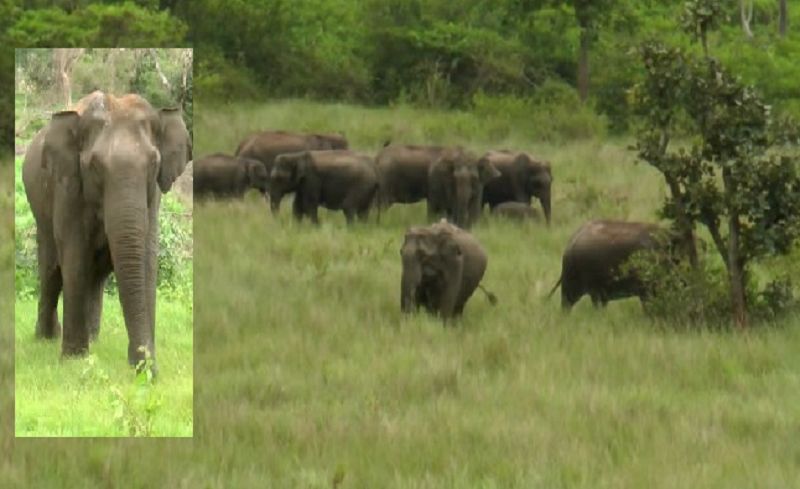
(516, 210)
(335, 179)
(593, 261)
(442, 267)
(222, 176)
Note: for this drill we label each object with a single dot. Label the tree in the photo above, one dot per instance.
(783, 17)
(746, 15)
(735, 180)
(63, 60)
(589, 15)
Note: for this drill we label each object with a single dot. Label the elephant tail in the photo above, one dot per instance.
(387, 142)
(492, 298)
(554, 288)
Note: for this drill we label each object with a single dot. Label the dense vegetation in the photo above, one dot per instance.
(434, 53)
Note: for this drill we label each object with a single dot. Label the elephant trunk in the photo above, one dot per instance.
(545, 199)
(412, 276)
(463, 194)
(126, 225)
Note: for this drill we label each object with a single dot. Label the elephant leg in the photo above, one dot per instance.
(349, 215)
(47, 325)
(96, 287)
(75, 264)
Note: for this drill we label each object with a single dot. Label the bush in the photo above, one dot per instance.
(553, 113)
(699, 298)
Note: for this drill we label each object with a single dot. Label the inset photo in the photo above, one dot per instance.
(103, 222)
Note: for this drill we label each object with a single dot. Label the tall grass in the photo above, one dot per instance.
(307, 374)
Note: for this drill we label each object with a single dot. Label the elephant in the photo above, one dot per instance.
(335, 179)
(516, 210)
(403, 171)
(594, 257)
(522, 177)
(442, 266)
(265, 146)
(94, 176)
(455, 186)
(220, 175)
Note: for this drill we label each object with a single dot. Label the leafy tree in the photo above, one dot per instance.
(735, 180)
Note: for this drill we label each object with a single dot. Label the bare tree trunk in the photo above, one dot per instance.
(187, 68)
(163, 78)
(63, 60)
(783, 17)
(746, 14)
(583, 65)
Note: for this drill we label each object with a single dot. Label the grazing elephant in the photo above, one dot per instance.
(516, 210)
(334, 179)
(220, 175)
(94, 177)
(521, 177)
(403, 172)
(592, 262)
(455, 186)
(265, 146)
(442, 267)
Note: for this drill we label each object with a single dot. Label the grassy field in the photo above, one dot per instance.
(306, 373)
(98, 395)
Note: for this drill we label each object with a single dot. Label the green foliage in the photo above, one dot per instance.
(97, 25)
(732, 179)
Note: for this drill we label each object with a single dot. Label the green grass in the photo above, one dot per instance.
(99, 395)
(306, 371)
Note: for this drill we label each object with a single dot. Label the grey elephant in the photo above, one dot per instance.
(403, 171)
(224, 176)
(265, 146)
(516, 210)
(335, 179)
(94, 178)
(594, 257)
(455, 186)
(521, 178)
(442, 266)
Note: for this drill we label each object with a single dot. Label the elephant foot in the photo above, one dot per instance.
(68, 350)
(94, 333)
(48, 332)
(142, 360)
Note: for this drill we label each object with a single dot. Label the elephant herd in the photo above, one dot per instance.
(442, 264)
(321, 170)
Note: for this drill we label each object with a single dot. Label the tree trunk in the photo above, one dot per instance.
(160, 73)
(583, 65)
(735, 263)
(63, 60)
(783, 17)
(746, 14)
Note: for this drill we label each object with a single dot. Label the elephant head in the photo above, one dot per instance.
(459, 176)
(287, 173)
(532, 177)
(433, 264)
(257, 176)
(114, 156)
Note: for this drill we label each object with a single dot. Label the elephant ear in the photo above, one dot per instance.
(487, 171)
(175, 146)
(302, 166)
(61, 150)
(447, 246)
